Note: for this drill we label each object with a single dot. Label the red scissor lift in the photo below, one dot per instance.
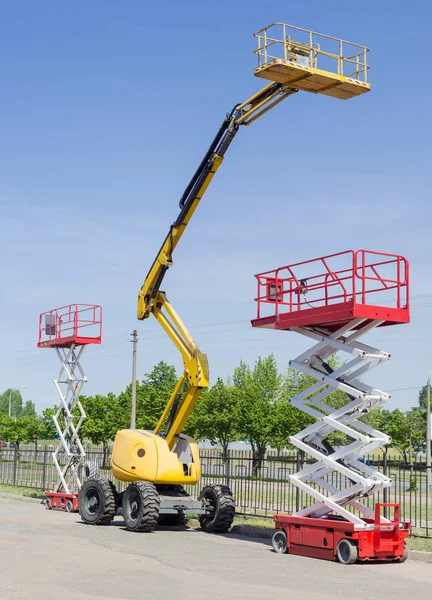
(69, 330)
(334, 300)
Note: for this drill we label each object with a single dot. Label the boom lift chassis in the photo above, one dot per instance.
(331, 307)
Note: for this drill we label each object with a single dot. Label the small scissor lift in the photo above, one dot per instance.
(69, 330)
(334, 300)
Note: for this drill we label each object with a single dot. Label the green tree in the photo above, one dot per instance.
(152, 395)
(23, 430)
(422, 397)
(259, 389)
(3, 426)
(406, 431)
(49, 432)
(103, 420)
(293, 383)
(16, 402)
(29, 409)
(214, 417)
(33, 427)
(286, 421)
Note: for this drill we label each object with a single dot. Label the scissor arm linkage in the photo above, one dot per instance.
(153, 301)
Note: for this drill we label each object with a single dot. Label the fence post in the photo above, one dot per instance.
(44, 468)
(297, 489)
(228, 468)
(386, 489)
(14, 475)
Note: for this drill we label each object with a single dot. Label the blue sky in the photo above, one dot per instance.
(106, 110)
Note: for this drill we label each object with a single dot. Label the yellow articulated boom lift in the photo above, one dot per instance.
(158, 464)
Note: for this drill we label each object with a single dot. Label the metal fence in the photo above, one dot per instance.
(260, 489)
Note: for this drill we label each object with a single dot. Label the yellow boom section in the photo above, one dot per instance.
(151, 300)
(291, 65)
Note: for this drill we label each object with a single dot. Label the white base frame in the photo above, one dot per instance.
(364, 480)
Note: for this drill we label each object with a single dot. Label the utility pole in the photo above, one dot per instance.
(428, 436)
(134, 340)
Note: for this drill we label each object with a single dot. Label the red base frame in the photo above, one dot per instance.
(67, 502)
(319, 538)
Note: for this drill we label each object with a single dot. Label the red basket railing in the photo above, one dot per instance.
(360, 277)
(75, 323)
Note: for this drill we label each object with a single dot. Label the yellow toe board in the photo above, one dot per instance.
(311, 80)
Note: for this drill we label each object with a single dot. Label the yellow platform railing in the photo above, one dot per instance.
(311, 49)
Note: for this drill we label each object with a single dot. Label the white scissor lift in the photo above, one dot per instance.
(334, 301)
(69, 330)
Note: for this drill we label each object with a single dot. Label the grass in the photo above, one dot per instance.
(250, 521)
(418, 543)
(29, 492)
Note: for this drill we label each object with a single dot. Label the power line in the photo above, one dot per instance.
(120, 339)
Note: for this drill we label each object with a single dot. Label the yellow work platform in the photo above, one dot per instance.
(312, 62)
(313, 80)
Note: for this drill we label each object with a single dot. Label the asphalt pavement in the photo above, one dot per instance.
(52, 555)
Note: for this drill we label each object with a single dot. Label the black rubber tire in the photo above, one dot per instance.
(47, 503)
(97, 502)
(140, 506)
(172, 520)
(346, 552)
(69, 506)
(220, 508)
(279, 541)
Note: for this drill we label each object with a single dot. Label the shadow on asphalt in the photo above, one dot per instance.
(236, 536)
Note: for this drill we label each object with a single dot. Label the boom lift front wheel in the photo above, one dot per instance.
(140, 506)
(218, 503)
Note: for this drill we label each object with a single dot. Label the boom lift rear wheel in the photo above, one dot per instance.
(141, 506)
(220, 509)
(98, 502)
(91, 470)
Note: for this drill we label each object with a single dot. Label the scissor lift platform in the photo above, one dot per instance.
(312, 62)
(334, 300)
(334, 290)
(75, 324)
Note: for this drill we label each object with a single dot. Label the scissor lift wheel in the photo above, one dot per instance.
(346, 552)
(279, 541)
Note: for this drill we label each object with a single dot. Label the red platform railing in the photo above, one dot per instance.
(77, 324)
(360, 277)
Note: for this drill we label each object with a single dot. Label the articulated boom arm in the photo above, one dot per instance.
(153, 301)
